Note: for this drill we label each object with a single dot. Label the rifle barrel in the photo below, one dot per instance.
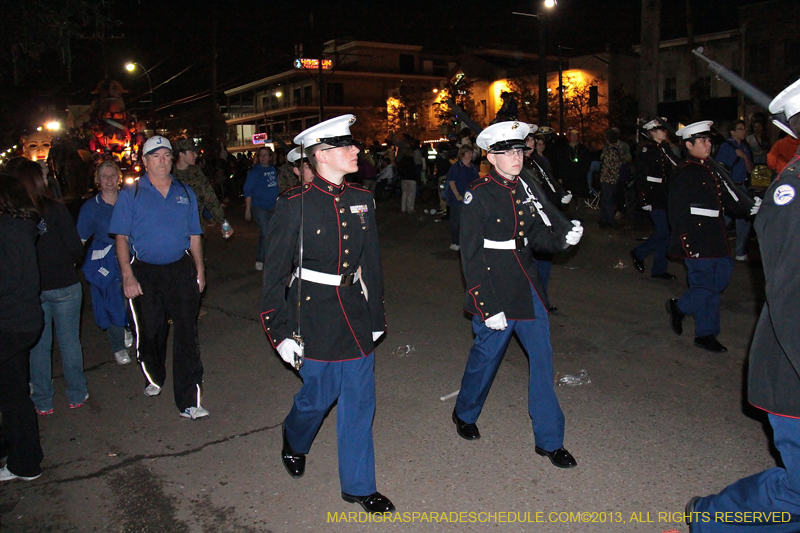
(749, 90)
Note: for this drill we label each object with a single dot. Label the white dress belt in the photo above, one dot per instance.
(503, 245)
(654, 179)
(322, 278)
(713, 213)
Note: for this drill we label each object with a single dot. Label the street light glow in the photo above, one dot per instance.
(550, 3)
(130, 67)
(278, 94)
(54, 125)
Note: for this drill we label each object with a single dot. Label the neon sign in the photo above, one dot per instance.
(259, 138)
(327, 64)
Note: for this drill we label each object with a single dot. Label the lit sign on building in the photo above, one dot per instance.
(327, 64)
(259, 138)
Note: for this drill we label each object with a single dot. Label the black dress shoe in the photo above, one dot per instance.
(374, 503)
(710, 343)
(552, 308)
(689, 511)
(637, 263)
(293, 462)
(675, 316)
(560, 457)
(664, 275)
(466, 431)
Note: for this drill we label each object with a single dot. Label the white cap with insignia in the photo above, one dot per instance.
(156, 142)
(788, 103)
(294, 155)
(696, 129)
(533, 129)
(504, 136)
(656, 123)
(334, 132)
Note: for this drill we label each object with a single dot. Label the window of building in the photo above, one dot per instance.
(311, 121)
(440, 67)
(406, 64)
(335, 93)
(427, 66)
(307, 100)
(758, 57)
(670, 89)
(296, 125)
(704, 87)
(791, 53)
(593, 96)
(277, 127)
(296, 96)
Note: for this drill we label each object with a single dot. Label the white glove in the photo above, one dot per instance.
(287, 349)
(497, 322)
(575, 234)
(647, 208)
(756, 207)
(567, 199)
(376, 335)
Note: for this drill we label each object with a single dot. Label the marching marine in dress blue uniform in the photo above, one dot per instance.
(654, 164)
(503, 219)
(774, 369)
(697, 202)
(334, 273)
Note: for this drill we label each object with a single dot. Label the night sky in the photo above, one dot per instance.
(257, 38)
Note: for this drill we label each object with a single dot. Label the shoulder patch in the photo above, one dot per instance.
(467, 197)
(783, 195)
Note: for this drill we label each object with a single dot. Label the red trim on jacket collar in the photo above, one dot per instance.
(337, 189)
(509, 184)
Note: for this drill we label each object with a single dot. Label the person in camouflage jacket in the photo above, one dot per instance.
(187, 172)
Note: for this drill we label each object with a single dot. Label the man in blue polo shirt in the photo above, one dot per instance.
(160, 255)
(260, 193)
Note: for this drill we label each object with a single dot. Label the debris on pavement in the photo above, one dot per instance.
(572, 380)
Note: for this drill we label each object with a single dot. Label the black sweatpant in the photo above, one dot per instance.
(20, 426)
(169, 291)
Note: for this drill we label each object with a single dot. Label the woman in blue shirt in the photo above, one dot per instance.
(459, 177)
(100, 267)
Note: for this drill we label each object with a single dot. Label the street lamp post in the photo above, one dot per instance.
(549, 4)
(131, 66)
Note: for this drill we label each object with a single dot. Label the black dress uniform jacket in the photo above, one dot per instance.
(499, 280)
(774, 375)
(652, 161)
(695, 185)
(339, 237)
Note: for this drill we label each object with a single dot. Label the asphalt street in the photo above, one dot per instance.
(660, 421)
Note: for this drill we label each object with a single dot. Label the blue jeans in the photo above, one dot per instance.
(62, 306)
(608, 204)
(116, 338)
(775, 490)
(262, 217)
(742, 234)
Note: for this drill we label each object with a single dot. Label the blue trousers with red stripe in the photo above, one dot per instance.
(776, 490)
(484, 360)
(352, 385)
(707, 279)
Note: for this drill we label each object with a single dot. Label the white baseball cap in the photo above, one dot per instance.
(504, 136)
(156, 142)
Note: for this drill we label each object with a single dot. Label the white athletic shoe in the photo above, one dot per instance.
(152, 390)
(195, 412)
(259, 266)
(128, 339)
(7, 475)
(122, 357)
(455, 247)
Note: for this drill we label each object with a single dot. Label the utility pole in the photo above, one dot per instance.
(648, 65)
(214, 110)
(542, 68)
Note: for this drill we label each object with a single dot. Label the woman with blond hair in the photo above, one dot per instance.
(100, 267)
